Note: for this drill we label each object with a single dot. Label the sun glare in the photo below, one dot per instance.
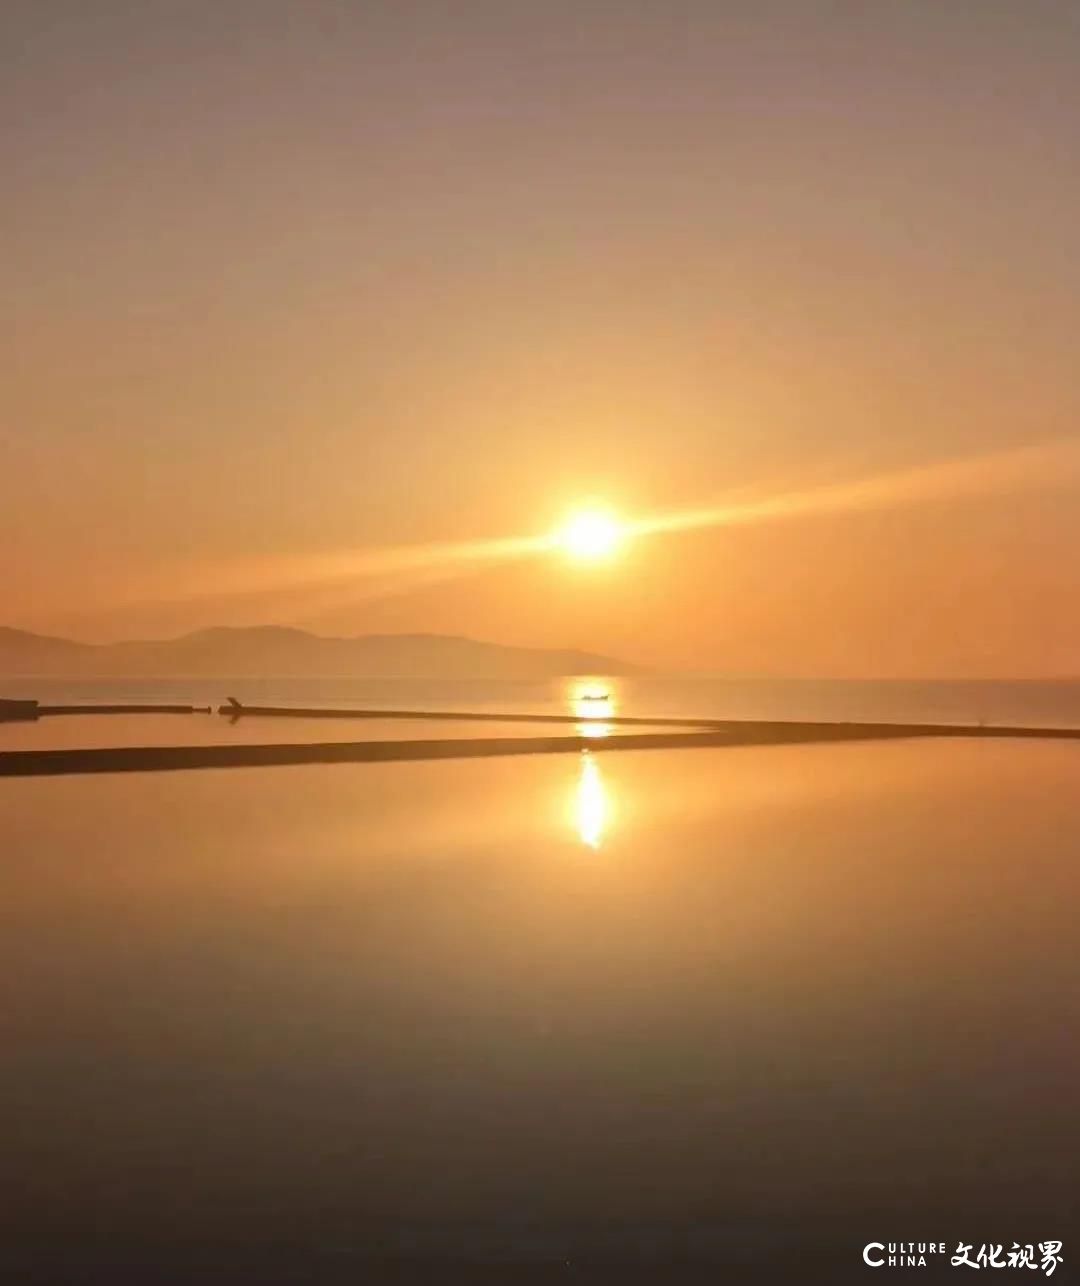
(591, 535)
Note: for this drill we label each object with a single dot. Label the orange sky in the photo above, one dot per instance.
(292, 283)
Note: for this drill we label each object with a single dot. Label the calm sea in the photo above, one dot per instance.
(1037, 702)
(710, 1015)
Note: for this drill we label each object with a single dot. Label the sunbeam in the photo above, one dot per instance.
(1026, 468)
(319, 582)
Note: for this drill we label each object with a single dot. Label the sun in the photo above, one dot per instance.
(591, 535)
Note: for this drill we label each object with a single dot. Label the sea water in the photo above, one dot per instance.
(750, 1008)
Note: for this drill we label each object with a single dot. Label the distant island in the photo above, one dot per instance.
(278, 651)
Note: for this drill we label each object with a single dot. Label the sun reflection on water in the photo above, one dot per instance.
(593, 702)
(592, 803)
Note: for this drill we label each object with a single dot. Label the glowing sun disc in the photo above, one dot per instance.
(591, 535)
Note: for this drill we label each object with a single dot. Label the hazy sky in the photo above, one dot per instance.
(285, 280)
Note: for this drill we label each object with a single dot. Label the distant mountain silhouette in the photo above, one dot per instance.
(23, 653)
(278, 651)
